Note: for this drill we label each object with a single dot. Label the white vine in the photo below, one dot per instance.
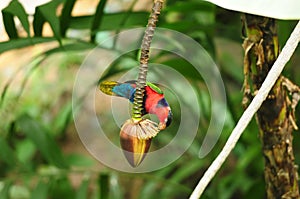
(243, 122)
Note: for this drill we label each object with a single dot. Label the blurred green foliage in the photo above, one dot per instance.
(36, 117)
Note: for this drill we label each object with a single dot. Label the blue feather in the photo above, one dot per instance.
(125, 90)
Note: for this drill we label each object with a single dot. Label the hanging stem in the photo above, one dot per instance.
(145, 48)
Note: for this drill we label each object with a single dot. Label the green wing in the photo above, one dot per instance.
(154, 87)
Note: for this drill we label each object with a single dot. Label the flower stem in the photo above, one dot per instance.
(145, 48)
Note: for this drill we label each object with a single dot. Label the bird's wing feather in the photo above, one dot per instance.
(126, 89)
(154, 88)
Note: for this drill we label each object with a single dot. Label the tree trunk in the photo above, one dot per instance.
(275, 118)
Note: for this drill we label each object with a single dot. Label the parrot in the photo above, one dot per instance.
(154, 101)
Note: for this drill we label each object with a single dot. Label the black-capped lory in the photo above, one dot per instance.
(154, 101)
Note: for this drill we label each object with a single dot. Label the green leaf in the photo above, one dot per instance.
(19, 191)
(249, 156)
(77, 46)
(188, 6)
(23, 42)
(63, 119)
(122, 64)
(186, 26)
(82, 192)
(25, 150)
(188, 169)
(81, 22)
(4, 189)
(38, 23)
(230, 184)
(16, 9)
(40, 191)
(61, 188)
(116, 188)
(47, 13)
(6, 153)
(65, 17)
(148, 189)
(103, 182)
(278, 9)
(97, 19)
(184, 67)
(9, 24)
(111, 21)
(43, 141)
(80, 160)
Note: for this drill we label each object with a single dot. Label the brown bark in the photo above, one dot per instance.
(275, 118)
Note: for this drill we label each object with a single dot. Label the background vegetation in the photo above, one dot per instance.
(40, 153)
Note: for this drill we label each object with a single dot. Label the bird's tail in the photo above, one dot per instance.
(107, 86)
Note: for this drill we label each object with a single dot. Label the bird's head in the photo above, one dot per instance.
(155, 103)
(164, 114)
